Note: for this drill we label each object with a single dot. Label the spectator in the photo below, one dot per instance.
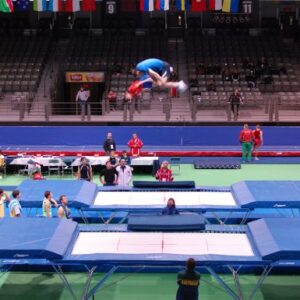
(226, 75)
(246, 138)
(82, 98)
(217, 69)
(251, 77)
(14, 205)
(85, 171)
(109, 175)
(200, 69)
(109, 144)
(63, 210)
(235, 100)
(126, 157)
(113, 159)
(235, 75)
(47, 204)
(112, 100)
(262, 66)
(2, 162)
(211, 86)
(170, 209)
(164, 173)
(188, 282)
(3, 198)
(248, 63)
(209, 70)
(135, 144)
(124, 173)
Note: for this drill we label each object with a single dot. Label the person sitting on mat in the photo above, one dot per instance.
(188, 281)
(37, 175)
(47, 204)
(170, 209)
(63, 210)
(14, 205)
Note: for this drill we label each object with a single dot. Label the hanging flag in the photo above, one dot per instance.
(45, 5)
(21, 5)
(68, 5)
(129, 5)
(215, 4)
(182, 4)
(6, 6)
(162, 4)
(198, 5)
(88, 5)
(146, 5)
(231, 6)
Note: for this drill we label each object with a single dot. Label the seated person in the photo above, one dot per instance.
(211, 86)
(47, 204)
(126, 157)
(235, 75)
(170, 209)
(63, 210)
(188, 282)
(226, 74)
(109, 175)
(200, 69)
(36, 175)
(113, 159)
(164, 173)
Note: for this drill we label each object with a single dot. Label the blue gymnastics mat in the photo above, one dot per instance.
(80, 193)
(262, 194)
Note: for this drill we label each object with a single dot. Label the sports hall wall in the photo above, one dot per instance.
(151, 135)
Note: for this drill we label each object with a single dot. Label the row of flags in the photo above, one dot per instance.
(8, 6)
(230, 6)
(145, 5)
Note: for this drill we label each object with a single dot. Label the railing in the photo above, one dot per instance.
(272, 109)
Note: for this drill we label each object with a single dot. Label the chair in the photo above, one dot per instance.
(29, 169)
(175, 162)
(54, 166)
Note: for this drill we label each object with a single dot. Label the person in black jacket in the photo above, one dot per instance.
(109, 144)
(235, 100)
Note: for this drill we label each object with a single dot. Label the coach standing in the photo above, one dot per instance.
(109, 144)
(246, 139)
(82, 98)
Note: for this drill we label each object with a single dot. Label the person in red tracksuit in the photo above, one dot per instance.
(135, 144)
(246, 139)
(258, 140)
(164, 173)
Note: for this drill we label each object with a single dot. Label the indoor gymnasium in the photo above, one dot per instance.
(149, 149)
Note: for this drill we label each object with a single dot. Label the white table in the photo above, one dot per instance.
(42, 160)
(101, 160)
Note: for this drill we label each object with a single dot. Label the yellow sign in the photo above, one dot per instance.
(79, 77)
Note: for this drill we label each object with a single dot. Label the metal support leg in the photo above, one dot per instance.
(246, 217)
(82, 215)
(235, 274)
(217, 218)
(88, 282)
(262, 278)
(227, 289)
(65, 281)
(100, 283)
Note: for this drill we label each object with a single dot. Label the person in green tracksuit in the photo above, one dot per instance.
(246, 139)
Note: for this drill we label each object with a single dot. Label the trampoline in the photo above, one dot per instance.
(63, 244)
(238, 201)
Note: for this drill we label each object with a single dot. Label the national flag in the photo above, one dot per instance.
(198, 5)
(182, 4)
(68, 5)
(231, 6)
(215, 4)
(45, 5)
(21, 5)
(162, 4)
(146, 5)
(6, 6)
(129, 5)
(88, 5)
